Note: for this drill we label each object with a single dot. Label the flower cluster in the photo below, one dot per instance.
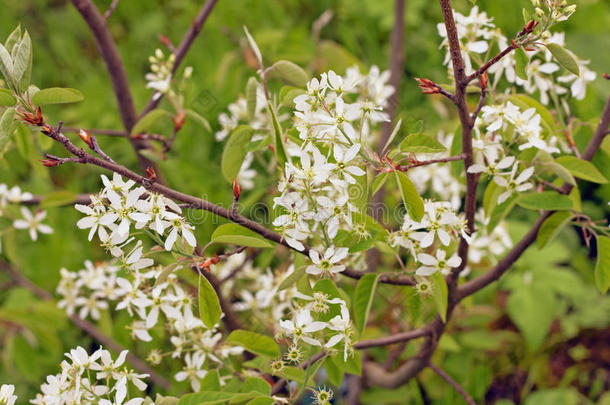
(32, 222)
(160, 75)
(334, 119)
(148, 296)
(119, 206)
(6, 394)
(91, 379)
(305, 328)
(478, 35)
(439, 226)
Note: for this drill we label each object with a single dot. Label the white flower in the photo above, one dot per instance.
(302, 326)
(327, 264)
(512, 184)
(178, 225)
(341, 324)
(32, 223)
(6, 394)
(433, 264)
(192, 370)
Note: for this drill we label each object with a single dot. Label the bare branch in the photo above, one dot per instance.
(454, 384)
(111, 9)
(116, 70)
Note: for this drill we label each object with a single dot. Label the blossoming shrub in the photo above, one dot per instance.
(265, 311)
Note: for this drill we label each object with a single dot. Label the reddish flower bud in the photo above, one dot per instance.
(86, 137)
(236, 189)
(50, 162)
(427, 86)
(484, 81)
(606, 76)
(151, 174)
(165, 40)
(179, 120)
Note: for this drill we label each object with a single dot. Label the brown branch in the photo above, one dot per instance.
(87, 327)
(454, 384)
(116, 70)
(393, 339)
(111, 9)
(184, 47)
(397, 61)
(491, 62)
(404, 168)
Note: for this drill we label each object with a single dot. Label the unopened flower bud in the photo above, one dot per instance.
(484, 81)
(427, 86)
(86, 137)
(159, 53)
(179, 120)
(236, 189)
(151, 174)
(50, 162)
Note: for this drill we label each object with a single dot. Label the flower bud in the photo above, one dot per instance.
(151, 174)
(50, 162)
(86, 137)
(236, 189)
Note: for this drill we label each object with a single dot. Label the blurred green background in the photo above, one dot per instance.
(65, 55)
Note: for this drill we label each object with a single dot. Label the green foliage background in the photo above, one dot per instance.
(65, 55)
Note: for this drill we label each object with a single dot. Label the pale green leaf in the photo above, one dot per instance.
(602, 268)
(6, 98)
(419, 143)
(291, 73)
(379, 182)
(209, 306)
(235, 152)
(521, 63)
(57, 95)
(254, 343)
(552, 226)
(238, 235)
(564, 58)
(6, 65)
(292, 278)
(280, 149)
(363, 299)
(546, 200)
(6, 127)
(582, 169)
(413, 202)
(199, 119)
(251, 90)
(147, 121)
(440, 294)
(533, 324)
(206, 397)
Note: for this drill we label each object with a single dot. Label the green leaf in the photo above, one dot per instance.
(238, 235)
(57, 95)
(292, 278)
(57, 199)
(261, 401)
(206, 397)
(235, 152)
(211, 381)
(552, 226)
(413, 202)
(147, 121)
(420, 143)
(209, 306)
(288, 94)
(199, 119)
(254, 343)
(13, 39)
(363, 299)
(525, 102)
(280, 149)
(22, 62)
(545, 162)
(6, 98)
(251, 90)
(522, 62)
(291, 73)
(440, 294)
(546, 200)
(6, 126)
(582, 169)
(602, 268)
(6, 65)
(533, 324)
(379, 182)
(564, 58)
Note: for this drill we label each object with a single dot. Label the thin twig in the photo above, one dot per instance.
(111, 9)
(183, 48)
(454, 384)
(491, 62)
(87, 327)
(404, 168)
